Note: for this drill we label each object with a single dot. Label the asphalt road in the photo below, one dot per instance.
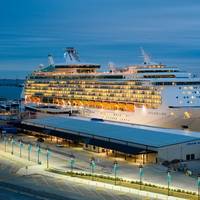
(12, 191)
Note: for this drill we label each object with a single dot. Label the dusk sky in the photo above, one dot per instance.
(101, 30)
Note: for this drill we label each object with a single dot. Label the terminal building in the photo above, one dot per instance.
(141, 144)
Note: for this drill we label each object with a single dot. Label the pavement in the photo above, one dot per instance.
(60, 159)
(14, 186)
(153, 173)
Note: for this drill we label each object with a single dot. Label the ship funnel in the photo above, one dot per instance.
(71, 55)
(50, 60)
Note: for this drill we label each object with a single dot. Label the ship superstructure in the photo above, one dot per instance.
(149, 94)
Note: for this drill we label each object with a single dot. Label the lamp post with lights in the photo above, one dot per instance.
(92, 165)
(38, 150)
(12, 146)
(169, 179)
(5, 143)
(20, 148)
(29, 151)
(141, 174)
(48, 155)
(72, 162)
(115, 168)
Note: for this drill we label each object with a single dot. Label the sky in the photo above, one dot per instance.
(101, 31)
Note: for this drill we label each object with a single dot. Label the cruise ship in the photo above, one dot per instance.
(147, 94)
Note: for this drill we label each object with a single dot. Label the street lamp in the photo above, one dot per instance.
(72, 162)
(198, 184)
(5, 143)
(20, 148)
(48, 155)
(29, 151)
(92, 165)
(38, 150)
(141, 173)
(169, 179)
(115, 168)
(12, 145)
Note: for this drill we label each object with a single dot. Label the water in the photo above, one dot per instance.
(102, 31)
(10, 92)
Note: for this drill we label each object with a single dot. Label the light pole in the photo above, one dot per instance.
(48, 155)
(141, 173)
(198, 185)
(20, 148)
(5, 143)
(38, 154)
(92, 165)
(29, 151)
(115, 168)
(72, 162)
(169, 179)
(12, 145)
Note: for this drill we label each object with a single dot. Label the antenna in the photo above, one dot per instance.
(146, 57)
(50, 60)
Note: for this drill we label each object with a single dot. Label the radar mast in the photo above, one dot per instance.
(71, 55)
(146, 57)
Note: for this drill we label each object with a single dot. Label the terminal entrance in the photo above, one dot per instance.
(135, 158)
(141, 158)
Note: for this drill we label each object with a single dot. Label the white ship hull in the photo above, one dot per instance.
(167, 118)
(150, 94)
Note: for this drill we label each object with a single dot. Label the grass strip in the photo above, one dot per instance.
(130, 184)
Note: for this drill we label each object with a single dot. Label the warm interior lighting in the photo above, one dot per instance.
(187, 115)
